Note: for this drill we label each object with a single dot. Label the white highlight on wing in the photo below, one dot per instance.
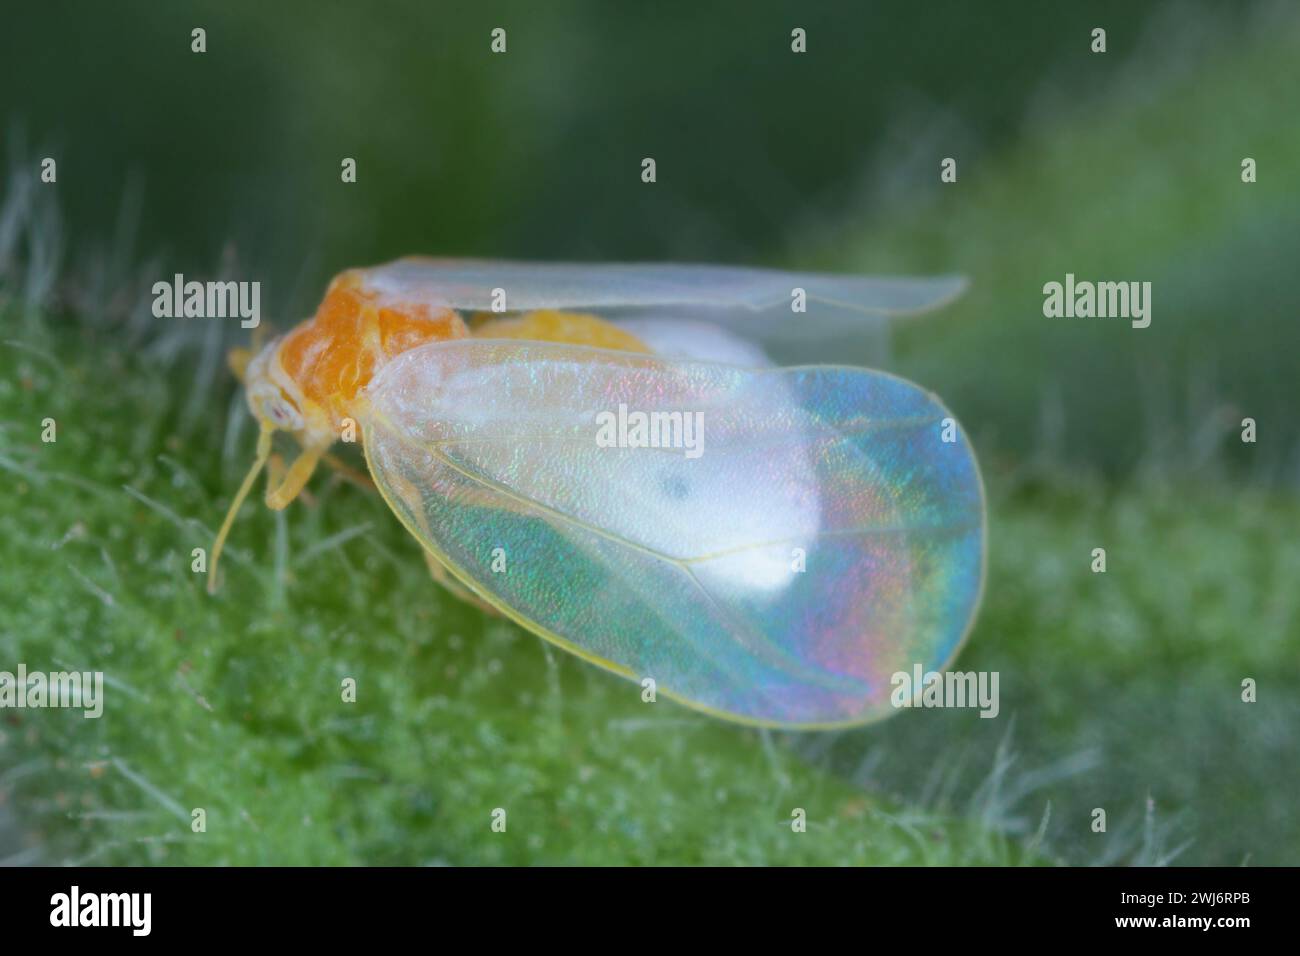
(470, 401)
(682, 338)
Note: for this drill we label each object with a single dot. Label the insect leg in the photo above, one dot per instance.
(347, 472)
(275, 472)
(294, 479)
(442, 576)
(263, 453)
(275, 469)
(437, 570)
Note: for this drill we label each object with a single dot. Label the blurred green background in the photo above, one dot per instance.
(1118, 691)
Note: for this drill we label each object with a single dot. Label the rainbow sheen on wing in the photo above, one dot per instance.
(809, 536)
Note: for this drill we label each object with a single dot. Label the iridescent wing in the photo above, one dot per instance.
(754, 302)
(796, 538)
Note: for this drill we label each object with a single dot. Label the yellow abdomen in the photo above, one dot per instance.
(551, 325)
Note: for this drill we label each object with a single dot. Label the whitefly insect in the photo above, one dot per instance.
(606, 455)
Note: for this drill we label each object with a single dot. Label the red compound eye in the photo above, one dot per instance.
(282, 414)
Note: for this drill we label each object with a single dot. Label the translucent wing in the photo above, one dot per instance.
(756, 302)
(797, 537)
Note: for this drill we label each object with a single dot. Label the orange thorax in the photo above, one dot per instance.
(334, 355)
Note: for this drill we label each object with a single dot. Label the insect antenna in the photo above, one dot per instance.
(263, 453)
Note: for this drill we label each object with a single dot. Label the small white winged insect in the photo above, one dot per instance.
(606, 455)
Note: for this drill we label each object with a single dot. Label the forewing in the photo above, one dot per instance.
(756, 302)
(820, 538)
